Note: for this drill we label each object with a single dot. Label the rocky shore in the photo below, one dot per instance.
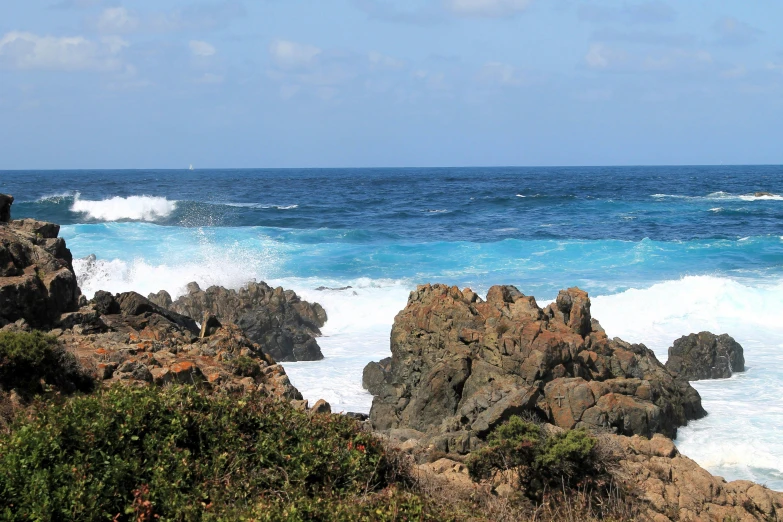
(461, 368)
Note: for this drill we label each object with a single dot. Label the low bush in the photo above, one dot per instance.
(538, 462)
(179, 454)
(27, 358)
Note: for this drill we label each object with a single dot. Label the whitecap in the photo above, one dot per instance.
(521, 196)
(136, 208)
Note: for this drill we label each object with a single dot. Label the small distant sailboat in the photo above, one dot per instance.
(191, 167)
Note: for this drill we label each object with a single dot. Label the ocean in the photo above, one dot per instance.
(663, 252)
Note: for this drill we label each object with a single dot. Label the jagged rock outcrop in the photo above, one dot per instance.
(461, 365)
(705, 356)
(37, 281)
(141, 343)
(284, 325)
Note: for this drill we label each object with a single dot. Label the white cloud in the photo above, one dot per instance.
(487, 8)
(199, 48)
(74, 53)
(117, 20)
(289, 54)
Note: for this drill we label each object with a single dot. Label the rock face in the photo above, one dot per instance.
(37, 282)
(127, 338)
(705, 356)
(676, 488)
(284, 325)
(460, 366)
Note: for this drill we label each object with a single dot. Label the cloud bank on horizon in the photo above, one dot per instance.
(235, 83)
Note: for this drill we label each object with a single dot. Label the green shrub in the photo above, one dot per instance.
(27, 358)
(179, 454)
(244, 366)
(539, 462)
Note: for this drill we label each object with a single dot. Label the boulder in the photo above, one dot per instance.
(5, 207)
(461, 365)
(321, 406)
(209, 325)
(375, 375)
(131, 303)
(37, 281)
(276, 319)
(705, 356)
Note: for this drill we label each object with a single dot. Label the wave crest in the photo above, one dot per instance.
(133, 208)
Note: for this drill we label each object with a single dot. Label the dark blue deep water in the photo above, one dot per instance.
(663, 251)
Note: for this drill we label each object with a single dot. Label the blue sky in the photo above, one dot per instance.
(352, 83)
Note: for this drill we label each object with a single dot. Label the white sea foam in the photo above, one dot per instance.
(722, 196)
(739, 437)
(57, 197)
(357, 332)
(261, 206)
(137, 208)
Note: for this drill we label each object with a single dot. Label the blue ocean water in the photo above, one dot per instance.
(663, 251)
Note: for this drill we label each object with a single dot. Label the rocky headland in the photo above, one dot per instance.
(128, 338)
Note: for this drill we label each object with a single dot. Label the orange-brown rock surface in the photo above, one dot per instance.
(461, 365)
(674, 488)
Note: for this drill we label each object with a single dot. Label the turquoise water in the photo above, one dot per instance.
(663, 251)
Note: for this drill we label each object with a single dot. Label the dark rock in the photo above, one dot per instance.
(88, 318)
(460, 366)
(277, 319)
(5, 207)
(361, 417)
(375, 375)
(105, 304)
(37, 281)
(162, 298)
(132, 303)
(209, 325)
(705, 356)
(763, 194)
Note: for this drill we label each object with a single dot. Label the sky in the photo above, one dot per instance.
(382, 83)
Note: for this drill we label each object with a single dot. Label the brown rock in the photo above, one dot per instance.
(37, 281)
(461, 365)
(321, 407)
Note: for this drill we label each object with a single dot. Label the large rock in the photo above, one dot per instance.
(284, 325)
(705, 356)
(141, 343)
(461, 365)
(37, 281)
(673, 487)
(5, 207)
